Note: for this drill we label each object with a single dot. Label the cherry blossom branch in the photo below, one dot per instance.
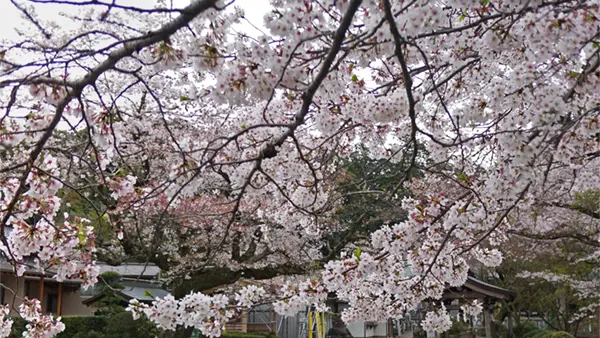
(499, 220)
(553, 236)
(188, 14)
(109, 6)
(398, 42)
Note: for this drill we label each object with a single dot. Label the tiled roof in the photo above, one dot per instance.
(134, 270)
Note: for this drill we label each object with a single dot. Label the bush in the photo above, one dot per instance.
(17, 328)
(500, 329)
(91, 334)
(248, 335)
(526, 330)
(83, 324)
(112, 303)
(76, 326)
(458, 328)
(122, 325)
(553, 334)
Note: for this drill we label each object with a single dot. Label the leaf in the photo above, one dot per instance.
(461, 17)
(184, 98)
(573, 74)
(122, 172)
(357, 253)
(464, 178)
(596, 44)
(354, 78)
(148, 293)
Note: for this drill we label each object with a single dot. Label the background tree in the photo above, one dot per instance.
(554, 281)
(109, 283)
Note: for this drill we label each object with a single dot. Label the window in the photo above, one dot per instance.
(260, 314)
(52, 303)
(27, 289)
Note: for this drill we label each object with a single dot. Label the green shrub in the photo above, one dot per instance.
(458, 328)
(553, 334)
(543, 334)
(122, 325)
(85, 324)
(526, 330)
(500, 329)
(91, 334)
(244, 335)
(561, 334)
(17, 328)
(112, 303)
(75, 326)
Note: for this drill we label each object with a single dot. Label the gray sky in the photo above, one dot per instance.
(12, 18)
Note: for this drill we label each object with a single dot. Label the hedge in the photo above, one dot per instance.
(17, 328)
(553, 334)
(242, 335)
(122, 325)
(76, 324)
(248, 335)
(91, 334)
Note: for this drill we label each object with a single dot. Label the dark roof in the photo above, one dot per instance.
(144, 292)
(477, 289)
(127, 270)
(135, 270)
(30, 270)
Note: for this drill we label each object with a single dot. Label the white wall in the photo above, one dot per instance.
(380, 330)
(356, 329)
(72, 305)
(71, 300)
(15, 285)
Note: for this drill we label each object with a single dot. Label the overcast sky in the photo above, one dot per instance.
(11, 17)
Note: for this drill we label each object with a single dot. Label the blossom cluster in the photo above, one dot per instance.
(38, 325)
(437, 321)
(208, 313)
(473, 309)
(5, 322)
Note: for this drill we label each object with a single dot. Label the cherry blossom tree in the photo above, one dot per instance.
(223, 148)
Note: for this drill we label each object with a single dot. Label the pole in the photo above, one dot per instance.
(59, 305)
(41, 292)
(487, 316)
(310, 325)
